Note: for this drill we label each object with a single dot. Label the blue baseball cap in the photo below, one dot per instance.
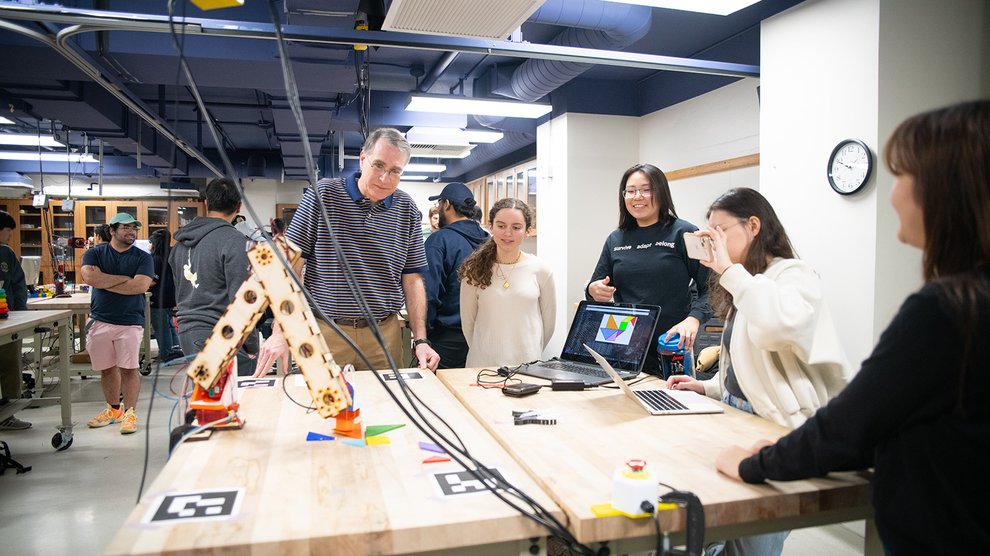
(457, 193)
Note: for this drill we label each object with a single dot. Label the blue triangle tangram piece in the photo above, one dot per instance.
(316, 437)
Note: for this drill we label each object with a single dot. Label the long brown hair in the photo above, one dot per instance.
(770, 242)
(947, 152)
(477, 269)
(661, 196)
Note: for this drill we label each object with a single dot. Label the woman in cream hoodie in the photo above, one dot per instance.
(781, 358)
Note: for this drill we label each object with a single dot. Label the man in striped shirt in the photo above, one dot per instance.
(379, 230)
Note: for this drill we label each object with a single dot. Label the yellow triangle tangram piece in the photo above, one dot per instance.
(611, 323)
(377, 440)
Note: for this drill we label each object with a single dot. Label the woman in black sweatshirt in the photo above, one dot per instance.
(916, 412)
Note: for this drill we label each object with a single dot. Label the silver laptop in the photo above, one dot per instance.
(623, 333)
(661, 402)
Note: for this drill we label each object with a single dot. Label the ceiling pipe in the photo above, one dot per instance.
(591, 24)
(112, 85)
(436, 71)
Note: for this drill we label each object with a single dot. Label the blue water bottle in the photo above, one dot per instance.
(674, 360)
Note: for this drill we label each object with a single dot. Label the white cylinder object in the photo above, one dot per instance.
(633, 484)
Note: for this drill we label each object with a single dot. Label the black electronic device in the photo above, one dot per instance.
(567, 385)
(520, 390)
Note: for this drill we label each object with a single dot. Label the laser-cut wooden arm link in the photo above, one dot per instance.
(270, 284)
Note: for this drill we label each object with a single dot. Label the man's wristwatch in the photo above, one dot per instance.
(421, 341)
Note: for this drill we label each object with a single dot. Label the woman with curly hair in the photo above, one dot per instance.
(508, 309)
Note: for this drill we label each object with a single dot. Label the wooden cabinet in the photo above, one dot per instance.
(36, 228)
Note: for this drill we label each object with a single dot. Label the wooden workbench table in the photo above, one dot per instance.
(599, 429)
(327, 497)
(22, 324)
(79, 303)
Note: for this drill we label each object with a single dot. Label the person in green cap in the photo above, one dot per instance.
(118, 273)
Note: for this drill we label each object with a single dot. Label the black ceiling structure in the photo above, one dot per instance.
(104, 74)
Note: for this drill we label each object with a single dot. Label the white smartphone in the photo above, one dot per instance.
(698, 247)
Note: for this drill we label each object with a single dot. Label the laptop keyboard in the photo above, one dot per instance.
(659, 400)
(574, 368)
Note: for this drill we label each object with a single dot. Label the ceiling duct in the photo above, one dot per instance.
(459, 18)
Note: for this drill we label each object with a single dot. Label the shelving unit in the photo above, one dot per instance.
(32, 236)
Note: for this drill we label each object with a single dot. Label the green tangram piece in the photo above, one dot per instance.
(375, 430)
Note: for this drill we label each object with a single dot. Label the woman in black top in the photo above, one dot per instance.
(644, 261)
(916, 412)
(163, 299)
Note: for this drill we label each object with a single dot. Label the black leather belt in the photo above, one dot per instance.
(359, 323)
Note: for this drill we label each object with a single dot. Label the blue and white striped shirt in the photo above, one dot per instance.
(381, 241)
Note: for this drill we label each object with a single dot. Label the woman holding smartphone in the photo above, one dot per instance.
(781, 358)
(508, 309)
(916, 411)
(644, 261)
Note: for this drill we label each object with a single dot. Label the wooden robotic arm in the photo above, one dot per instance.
(271, 285)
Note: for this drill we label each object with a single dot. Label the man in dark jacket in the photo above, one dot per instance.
(459, 235)
(11, 280)
(209, 263)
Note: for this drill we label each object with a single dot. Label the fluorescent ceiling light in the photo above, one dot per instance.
(451, 136)
(482, 136)
(13, 179)
(29, 140)
(6, 121)
(413, 178)
(476, 106)
(416, 167)
(47, 157)
(716, 7)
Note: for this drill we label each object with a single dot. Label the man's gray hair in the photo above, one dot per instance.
(391, 135)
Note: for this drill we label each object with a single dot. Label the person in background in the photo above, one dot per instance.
(163, 298)
(644, 261)
(916, 411)
(209, 263)
(118, 274)
(781, 358)
(446, 250)
(434, 218)
(12, 281)
(508, 304)
(380, 231)
(101, 234)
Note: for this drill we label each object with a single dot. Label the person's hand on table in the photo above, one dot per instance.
(427, 358)
(728, 461)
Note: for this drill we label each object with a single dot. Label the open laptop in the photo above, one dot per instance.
(622, 332)
(661, 402)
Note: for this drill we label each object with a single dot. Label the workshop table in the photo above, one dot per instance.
(326, 496)
(22, 324)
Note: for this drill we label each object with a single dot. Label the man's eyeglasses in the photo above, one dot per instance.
(630, 193)
(379, 168)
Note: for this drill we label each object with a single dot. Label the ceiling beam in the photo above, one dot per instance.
(99, 20)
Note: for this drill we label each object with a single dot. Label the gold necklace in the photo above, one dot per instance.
(501, 273)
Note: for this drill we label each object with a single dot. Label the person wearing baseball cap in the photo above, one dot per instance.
(119, 274)
(459, 235)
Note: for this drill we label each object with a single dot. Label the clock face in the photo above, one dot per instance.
(850, 166)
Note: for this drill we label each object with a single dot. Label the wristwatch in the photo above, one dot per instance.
(421, 341)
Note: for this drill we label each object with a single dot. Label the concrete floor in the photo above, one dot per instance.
(74, 501)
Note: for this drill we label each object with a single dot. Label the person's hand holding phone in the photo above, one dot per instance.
(720, 253)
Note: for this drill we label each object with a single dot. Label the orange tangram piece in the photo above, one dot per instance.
(436, 459)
